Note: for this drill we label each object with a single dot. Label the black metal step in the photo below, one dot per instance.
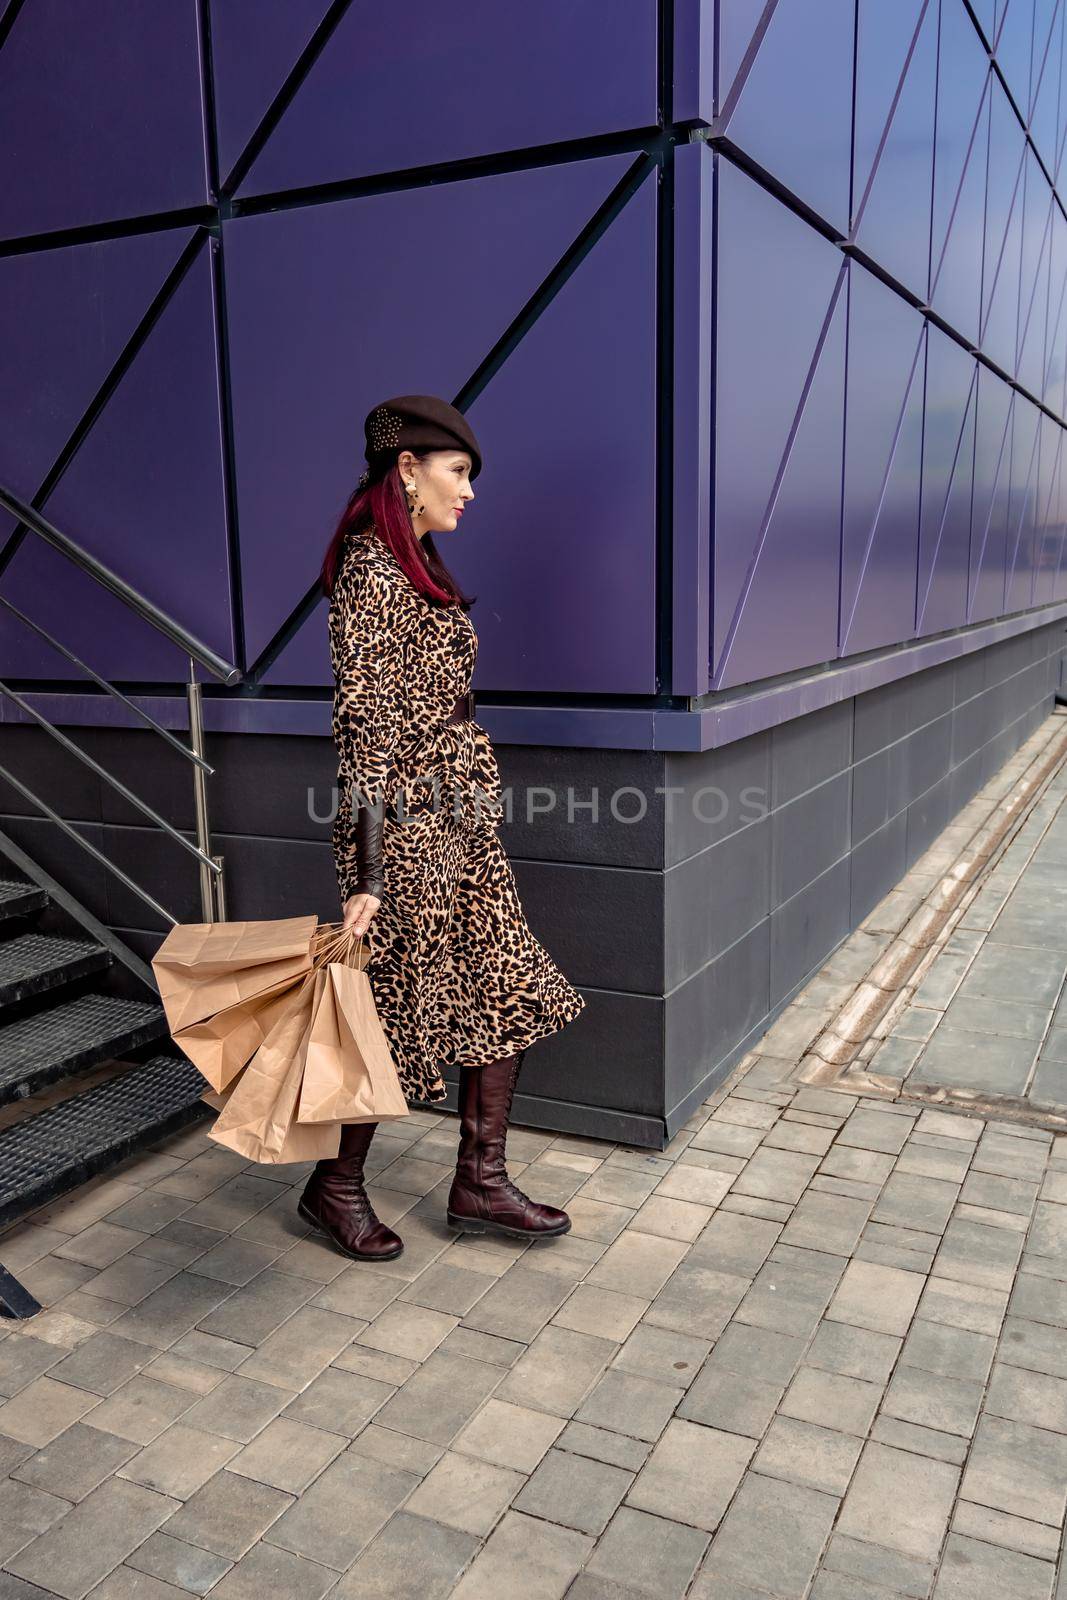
(34, 962)
(20, 898)
(45, 1155)
(71, 1036)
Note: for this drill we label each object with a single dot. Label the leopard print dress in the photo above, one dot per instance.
(457, 976)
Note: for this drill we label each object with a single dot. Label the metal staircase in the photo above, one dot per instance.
(86, 1075)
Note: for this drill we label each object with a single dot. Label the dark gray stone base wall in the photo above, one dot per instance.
(694, 901)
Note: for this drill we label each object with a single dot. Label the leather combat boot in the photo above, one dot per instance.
(482, 1198)
(336, 1203)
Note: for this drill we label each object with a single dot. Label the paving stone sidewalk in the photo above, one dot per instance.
(815, 1348)
(988, 1021)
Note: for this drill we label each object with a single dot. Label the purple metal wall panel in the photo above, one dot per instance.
(65, 316)
(445, 86)
(737, 21)
(947, 481)
(989, 515)
(254, 46)
(101, 113)
(1022, 504)
(1047, 89)
(568, 554)
(144, 493)
(1003, 241)
(694, 60)
(323, 319)
(962, 134)
(883, 466)
(694, 202)
(896, 95)
(796, 124)
(776, 279)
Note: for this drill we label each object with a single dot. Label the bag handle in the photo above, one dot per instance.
(333, 942)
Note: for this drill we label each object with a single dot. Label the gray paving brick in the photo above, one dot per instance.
(127, 1583)
(801, 1453)
(761, 1353)
(726, 1400)
(171, 1310)
(341, 1402)
(509, 1435)
(625, 1403)
(75, 1462)
(287, 1455)
(663, 1353)
(973, 1253)
(971, 1570)
(1010, 1158)
(1019, 1469)
(848, 1161)
(141, 1409)
(692, 1474)
(575, 1491)
(772, 1536)
(976, 1307)
(911, 1201)
(832, 1400)
(102, 1363)
(920, 1440)
(339, 1514)
(648, 1553)
(44, 1409)
(518, 1306)
(875, 1130)
(1013, 1533)
(25, 1512)
(266, 1570)
(791, 1292)
(524, 1555)
(557, 1371)
(728, 1138)
(227, 1515)
(23, 1359)
(879, 1565)
(999, 1194)
(1034, 1346)
(953, 1352)
(411, 1559)
(465, 1493)
(948, 1404)
(1039, 1299)
(442, 1395)
(76, 1553)
(777, 1175)
(697, 1300)
(186, 1566)
(180, 1461)
(855, 1352)
(601, 1445)
(899, 1500)
(882, 1299)
(1032, 1397)
(237, 1408)
(827, 1222)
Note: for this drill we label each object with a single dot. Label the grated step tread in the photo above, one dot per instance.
(71, 1036)
(33, 962)
(18, 897)
(45, 1155)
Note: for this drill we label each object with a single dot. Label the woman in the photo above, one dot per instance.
(457, 976)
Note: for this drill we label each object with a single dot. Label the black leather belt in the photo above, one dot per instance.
(463, 710)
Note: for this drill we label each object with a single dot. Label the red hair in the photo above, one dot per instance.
(383, 506)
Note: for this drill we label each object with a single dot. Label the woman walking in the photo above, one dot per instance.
(457, 976)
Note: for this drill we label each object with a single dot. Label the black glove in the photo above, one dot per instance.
(367, 825)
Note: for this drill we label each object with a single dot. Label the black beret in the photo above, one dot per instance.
(419, 422)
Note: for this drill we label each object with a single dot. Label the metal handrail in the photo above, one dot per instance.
(102, 772)
(179, 635)
(212, 885)
(90, 672)
(60, 822)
